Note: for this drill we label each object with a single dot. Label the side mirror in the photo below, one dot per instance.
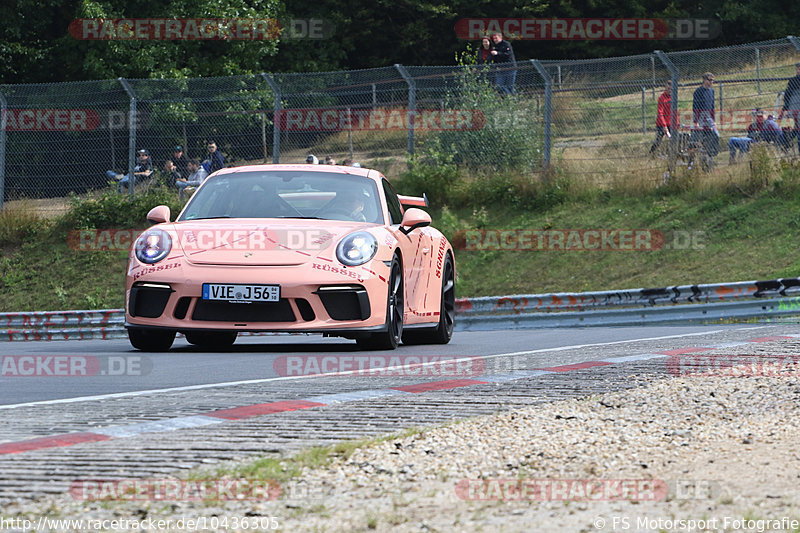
(414, 218)
(158, 214)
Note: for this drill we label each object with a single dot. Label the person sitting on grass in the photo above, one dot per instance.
(142, 170)
(759, 130)
(196, 177)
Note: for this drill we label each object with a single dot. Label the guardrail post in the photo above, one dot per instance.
(3, 121)
(795, 42)
(131, 135)
(673, 118)
(548, 108)
(412, 104)
(276, 111)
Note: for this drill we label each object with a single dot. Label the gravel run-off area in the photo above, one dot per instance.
(687, 453)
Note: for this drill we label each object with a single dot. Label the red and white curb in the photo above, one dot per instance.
(250, 411)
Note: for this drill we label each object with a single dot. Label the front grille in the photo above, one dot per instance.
(181, 307)
(219, 311)
(348, 302)
(148, 301)
(306, 312)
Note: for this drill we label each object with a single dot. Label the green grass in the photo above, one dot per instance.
(283, 469)
(746, 230)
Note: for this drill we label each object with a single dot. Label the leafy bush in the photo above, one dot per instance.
(510, 136)
(762, 166)
(433, 173)
(110, 209)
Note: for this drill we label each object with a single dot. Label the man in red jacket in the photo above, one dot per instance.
(663, 116)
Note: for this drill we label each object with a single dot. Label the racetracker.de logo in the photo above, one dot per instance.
(743, 365)
(380, 366)
(74, 366)
(196, 29)
(582, 29)
(50, 119)
(164, 29)
(638, 240)
(198, 240)
(577, 490)
(320, 119)
(192, 490)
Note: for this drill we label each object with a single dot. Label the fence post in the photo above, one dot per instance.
(644, 123)
(276, 111)
(758, 70)
(548, 108)
(3, 122)
(131, 135)
(673, 115)
(559, 76)
(412, 104)
(653, 70)
(721, 105)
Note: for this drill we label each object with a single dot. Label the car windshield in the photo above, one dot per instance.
(286, 194)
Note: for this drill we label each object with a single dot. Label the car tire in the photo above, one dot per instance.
(443, 331)
(389, 339)
(212, 339)
(151, 340)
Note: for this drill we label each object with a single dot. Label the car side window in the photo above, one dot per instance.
(393, 203)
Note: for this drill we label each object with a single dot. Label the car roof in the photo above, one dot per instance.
(338, 169)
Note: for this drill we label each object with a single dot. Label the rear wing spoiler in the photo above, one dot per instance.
(415, 201)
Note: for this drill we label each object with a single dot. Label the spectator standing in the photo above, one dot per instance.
(485, 59)
(704, 115)
(180, 161)
(485, 51)
(791, 103)
(505, 64)
(329, 160)
(196, 176)
(214, 160)
(663, 116)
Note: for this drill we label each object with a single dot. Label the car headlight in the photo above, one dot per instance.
(152, 246)
(357, 248)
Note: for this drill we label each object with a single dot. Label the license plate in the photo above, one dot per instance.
(241, 293)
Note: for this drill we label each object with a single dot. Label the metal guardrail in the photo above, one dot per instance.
(665, 305)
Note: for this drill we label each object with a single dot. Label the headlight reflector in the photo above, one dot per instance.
(357, 248)
(152, 246)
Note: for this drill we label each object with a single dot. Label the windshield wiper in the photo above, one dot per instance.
(209, 218)
(304, 218)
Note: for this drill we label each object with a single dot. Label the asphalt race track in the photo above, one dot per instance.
(100, 406)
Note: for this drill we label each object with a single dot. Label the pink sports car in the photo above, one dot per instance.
(293, 248)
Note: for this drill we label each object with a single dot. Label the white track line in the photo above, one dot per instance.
(133, 394)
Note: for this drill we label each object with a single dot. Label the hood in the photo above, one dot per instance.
(259, 242)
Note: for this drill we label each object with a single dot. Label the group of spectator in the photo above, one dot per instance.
(764, 127)
(497, 56)
(178, 169)
(314, 160)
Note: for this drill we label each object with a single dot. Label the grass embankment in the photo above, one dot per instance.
(727, 232)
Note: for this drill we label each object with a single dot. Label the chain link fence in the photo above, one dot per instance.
(592, 120)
